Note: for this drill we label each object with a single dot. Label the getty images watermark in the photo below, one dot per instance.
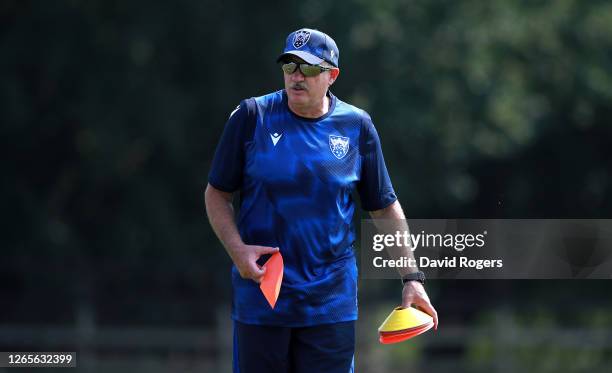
(488, 248)
(405, 239)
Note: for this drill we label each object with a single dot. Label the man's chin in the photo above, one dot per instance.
(297, 98)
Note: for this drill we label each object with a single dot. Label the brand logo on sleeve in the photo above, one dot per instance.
(339, 145)
(275, 137)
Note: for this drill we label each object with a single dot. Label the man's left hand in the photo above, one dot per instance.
(414, 294)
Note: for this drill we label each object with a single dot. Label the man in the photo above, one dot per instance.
(296, 156)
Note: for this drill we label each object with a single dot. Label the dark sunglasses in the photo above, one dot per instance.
(306, 69)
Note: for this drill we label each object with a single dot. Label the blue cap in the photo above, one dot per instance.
(313, 46)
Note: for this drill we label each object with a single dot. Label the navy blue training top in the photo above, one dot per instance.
(296, 177)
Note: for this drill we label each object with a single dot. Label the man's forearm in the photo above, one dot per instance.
(221, 216)
(394, 218)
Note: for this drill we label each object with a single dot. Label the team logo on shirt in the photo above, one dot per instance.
(300, 38)
(338, 145)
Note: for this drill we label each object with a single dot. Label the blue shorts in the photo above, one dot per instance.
(275, 349)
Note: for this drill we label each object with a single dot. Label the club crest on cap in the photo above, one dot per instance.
(338, 145)
(300, 38)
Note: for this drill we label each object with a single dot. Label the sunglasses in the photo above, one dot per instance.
(306, 69)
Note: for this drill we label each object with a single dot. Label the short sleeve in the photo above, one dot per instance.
(374, 187)
(228, 163)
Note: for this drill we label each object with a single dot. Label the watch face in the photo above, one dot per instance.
(416, 276)
(421, 277)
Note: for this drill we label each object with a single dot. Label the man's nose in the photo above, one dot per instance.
(297, 75)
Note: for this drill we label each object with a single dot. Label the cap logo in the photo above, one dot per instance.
(300, 38)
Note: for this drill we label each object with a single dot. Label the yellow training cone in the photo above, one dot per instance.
(405, 318)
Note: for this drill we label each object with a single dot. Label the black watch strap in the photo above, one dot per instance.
(415, 276)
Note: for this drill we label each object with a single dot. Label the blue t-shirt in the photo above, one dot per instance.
(296, 178)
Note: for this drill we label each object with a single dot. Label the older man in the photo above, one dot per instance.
(296, 156)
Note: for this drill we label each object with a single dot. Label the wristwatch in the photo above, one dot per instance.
(415, 276)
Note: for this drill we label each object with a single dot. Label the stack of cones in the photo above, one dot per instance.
(404, 323)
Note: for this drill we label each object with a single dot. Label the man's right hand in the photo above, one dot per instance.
(245, 259)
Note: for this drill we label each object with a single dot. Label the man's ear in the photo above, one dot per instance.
(333, 75)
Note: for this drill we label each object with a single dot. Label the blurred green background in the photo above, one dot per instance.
(110, 112)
